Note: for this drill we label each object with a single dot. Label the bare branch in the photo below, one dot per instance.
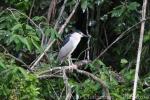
(30, 13)
(51, 10)
(60, 69)
(67, 85)
(60, 14)
(68, 19)
(42, 77)
(87, 32)
(139, 49)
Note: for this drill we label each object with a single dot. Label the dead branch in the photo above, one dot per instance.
(59, 69)
(87, 32)
(139, 49)
(30, 13)
(67, 85)
(43, 77)
(68, 19)
(60, 14)
(51, 10)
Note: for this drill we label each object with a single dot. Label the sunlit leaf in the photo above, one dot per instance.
(123, 61)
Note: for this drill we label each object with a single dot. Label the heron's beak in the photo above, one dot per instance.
(85, 36)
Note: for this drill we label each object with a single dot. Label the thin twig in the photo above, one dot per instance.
(30, 13)
(106, 37)
(42, 35)
(139, 49)
(54, 92)
(60, 97)
(82, 52)
(87, 32)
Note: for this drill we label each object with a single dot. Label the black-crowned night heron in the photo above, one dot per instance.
(69, 45)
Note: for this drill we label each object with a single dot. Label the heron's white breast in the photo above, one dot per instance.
(75, 41)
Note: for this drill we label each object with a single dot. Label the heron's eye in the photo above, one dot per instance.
(81, 33)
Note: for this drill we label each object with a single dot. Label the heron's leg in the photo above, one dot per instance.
(69, 60)
(72, 66)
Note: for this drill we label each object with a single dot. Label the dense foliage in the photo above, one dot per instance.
(25, 30)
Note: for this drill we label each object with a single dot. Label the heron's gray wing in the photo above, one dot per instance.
(66, 39)
(66, 50)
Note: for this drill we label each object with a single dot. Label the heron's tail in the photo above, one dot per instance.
(60, 61)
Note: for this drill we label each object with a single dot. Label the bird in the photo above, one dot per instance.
(69, 45)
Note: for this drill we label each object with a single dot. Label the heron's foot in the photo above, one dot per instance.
(72, 67)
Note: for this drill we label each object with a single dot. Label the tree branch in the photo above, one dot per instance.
(51, 10)
(139, 49)
(68, 88)
(30, 13)
(60, 68)
(60, 14)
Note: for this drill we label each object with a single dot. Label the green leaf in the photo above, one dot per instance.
(119, 97)
(147, 37)
(23, 72)
(2, 19)
(35, 38)
(100, 63)
(35, 43)
(24, 40)
(12, 38)
(53, 34)
(117, 12)
(47, 32)
(17, 26)
(28, 27)
(133, 6)
(124, 61)
(38, 18)
(2, 64)
(99, 2)
(84, 5)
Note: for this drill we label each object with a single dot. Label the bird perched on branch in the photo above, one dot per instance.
(69, 45)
